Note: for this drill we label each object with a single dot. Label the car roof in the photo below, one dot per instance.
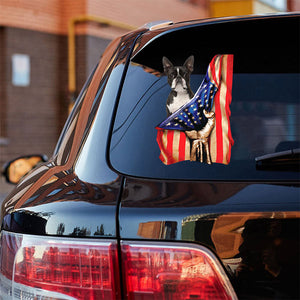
(155, 29)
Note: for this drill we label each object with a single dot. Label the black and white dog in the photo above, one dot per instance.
(179, 80)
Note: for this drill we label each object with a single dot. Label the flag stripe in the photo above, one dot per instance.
(221, 139)
(224, 123)
(187, 148)
(223, 94)
(213, 70)
(219, 132)
(174, 146)
(225, 115)
(159, 139)
(170, 136)
(218, 69)
(182, 148)
(229, 77)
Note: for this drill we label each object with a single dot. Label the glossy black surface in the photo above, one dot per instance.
(253, 228)
(182, 203)
(67, 207)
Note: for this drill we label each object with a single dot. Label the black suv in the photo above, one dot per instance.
(176, 175)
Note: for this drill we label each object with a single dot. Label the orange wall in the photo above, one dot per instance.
(52, 15)
(223, 8)
(33, 14)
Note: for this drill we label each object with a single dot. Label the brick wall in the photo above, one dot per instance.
(32, 115)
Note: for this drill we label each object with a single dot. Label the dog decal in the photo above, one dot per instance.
(198, 129)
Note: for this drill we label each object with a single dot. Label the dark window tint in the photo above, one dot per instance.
(264, 107)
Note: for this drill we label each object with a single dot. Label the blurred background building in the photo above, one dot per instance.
(34, 75)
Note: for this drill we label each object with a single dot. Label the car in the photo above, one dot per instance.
(176, 175)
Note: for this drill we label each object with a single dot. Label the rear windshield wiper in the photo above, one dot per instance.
(287, 160)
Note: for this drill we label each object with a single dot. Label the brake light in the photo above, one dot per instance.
(57, 268)
(35, 267)
(173, 271)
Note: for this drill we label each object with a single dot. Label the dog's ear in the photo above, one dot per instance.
(189, 63)
(167, 64)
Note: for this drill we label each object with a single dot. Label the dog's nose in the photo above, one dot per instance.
(178, 79)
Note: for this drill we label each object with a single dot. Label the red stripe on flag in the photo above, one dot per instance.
(170, 136)
(229, 76)
(219, 131)
(159, 137)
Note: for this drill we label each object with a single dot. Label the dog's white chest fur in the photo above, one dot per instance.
(178, 101)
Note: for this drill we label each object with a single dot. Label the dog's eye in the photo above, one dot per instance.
(183, 74)
(174, 74)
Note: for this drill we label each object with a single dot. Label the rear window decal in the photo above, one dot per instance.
(199, 130)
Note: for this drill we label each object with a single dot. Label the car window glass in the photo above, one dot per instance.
(74, 113)
(63, 147)
(262, 113)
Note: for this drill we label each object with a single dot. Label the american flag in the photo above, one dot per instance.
(214, 94)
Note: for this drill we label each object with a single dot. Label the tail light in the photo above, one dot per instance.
(173, 271)
(57, 268)
(34, 267)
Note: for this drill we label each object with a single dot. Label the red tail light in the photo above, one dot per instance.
(56, 268)
(173, 271)
(34, 267)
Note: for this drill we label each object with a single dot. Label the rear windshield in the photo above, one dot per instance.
(209, 102)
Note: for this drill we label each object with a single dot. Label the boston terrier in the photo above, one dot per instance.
(179, 80)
